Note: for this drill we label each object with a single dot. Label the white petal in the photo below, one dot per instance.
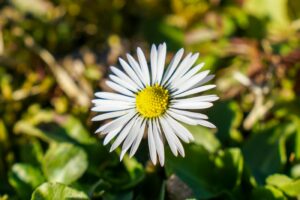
(187, 76)
(144, 65)
(123, 134)
(162, 51)
(110, 115)
(103, 127)
(151, 143)
(106, 102)
(110, 108)
(184, 67)
(192, 82)
(123, 76)
(119, 122)
(125, 84)
(158, 141)
(179, 68)
(138, 139)
(136, 67)
(131, 137)
(111, 135)
(206, 124)
(172, 66)
(208, 98)
(114, 96)
(192, 105)
(153, 61)
(182, 118)
(195, 90)
(180, 130)
(206, 79)
(169, 139)
(119, 88)
(193, 115)
(172, 139)
(132, 74)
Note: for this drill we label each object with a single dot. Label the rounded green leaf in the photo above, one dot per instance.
(292, 189)
(53, 191)
(25, 178)
(227, 116)
(265, 150)
(284, 183)
(64, 163)
(205, 137)
(278, 180)
(207, 174)
(267, 193)
(295, 171)
(125, 175)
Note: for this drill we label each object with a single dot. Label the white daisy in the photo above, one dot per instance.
(153, 101)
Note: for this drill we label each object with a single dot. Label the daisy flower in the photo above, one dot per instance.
(154, 101)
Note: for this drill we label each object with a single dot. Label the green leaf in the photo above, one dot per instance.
(135, 170)
(227, 116)
(156, 30)
(31, 151)
(51, 127)
(125, 175)
(76, 130)
(292, 189)
(295, 171)
(287, 185)
(205, 137)
(293, 9)
(118, 196)
(297, 142)
(207, 174)
(278, 180)
(277, 14)
(25, 178)
(265, 151)
(3, 134)
(53, 191)
(267, 193)
(64, 163)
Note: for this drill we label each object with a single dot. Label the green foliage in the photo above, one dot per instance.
(49, 191)
(25, 178)
(208, 175)
(64, 163)
(268, 193)
(55, 54)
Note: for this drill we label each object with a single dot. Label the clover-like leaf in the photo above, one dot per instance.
(64, 162)
(51, 191)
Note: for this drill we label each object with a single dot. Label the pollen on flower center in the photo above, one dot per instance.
(152, 101)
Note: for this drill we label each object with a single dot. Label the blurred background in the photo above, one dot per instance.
(55, 54)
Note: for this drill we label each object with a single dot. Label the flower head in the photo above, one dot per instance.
(154, 101)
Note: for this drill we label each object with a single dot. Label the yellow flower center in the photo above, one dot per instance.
(152, 101)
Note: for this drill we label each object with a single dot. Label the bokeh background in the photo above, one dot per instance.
(55, 54)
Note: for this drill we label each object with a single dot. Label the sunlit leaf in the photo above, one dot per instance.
(25, 178)
(287, 185)
(64, 163)
(208, 175)
(227, 117)
(125, 175)
(205, 137)
(277, 14)
(267, 193)
(265, 151)
(51, 191)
